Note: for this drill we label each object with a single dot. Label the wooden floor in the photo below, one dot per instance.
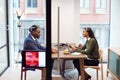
(13, 73)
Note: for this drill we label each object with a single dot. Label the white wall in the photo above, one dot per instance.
(69, 21)
(115, 24)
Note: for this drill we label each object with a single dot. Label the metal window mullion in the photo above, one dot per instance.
(100, 3)
(84, 4)
(58, 57)
(31, 3)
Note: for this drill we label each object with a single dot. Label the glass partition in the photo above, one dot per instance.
(3, 59)
(3, 37)
(31, 12)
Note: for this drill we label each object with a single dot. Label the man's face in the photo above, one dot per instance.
(37, 33)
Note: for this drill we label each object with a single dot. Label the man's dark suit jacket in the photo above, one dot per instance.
(30, 44)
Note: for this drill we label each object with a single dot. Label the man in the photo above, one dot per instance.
(31, 42)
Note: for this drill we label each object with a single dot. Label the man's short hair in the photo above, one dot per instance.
(33, 28)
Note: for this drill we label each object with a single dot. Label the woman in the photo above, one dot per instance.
(90, 48)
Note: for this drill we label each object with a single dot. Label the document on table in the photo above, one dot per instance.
(76, 53)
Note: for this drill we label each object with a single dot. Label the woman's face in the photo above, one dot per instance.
(85, 33)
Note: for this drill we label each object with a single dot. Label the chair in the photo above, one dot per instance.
(24, 69)
(99, 67)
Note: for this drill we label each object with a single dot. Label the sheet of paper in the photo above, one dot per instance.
(75, 53)
(42, 59)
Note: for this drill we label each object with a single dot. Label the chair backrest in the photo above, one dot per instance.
(23, 58)
(100, 67)
(101, 58)
(101, 55)
(33, 58)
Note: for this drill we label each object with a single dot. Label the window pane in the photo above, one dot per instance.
(18, 3)
(34, 3)
(81, 4)
(3, 35)
(97, 3)
(28, 3)
(87, 3)
(84, 3)
(3, 59)
(103, 3)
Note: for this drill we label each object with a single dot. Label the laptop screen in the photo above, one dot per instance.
(34, 59)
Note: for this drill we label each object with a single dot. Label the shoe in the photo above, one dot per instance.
(88, 77)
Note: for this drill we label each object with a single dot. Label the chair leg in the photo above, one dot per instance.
(107, 74)
(21, 74)
(25, 75)
(97, 74)
(102, 74)
(42, 74)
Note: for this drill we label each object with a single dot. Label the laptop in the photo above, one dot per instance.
(34, 59)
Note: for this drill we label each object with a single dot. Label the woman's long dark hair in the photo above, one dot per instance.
(91, 34)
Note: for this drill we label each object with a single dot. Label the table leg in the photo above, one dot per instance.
(82, 69)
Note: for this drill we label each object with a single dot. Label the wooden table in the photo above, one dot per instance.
(81, 57)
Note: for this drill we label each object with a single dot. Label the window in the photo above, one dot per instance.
(101, 4)
(84, 3)
(84, 6)
(18, 3)
(31, 7)
(32, 3)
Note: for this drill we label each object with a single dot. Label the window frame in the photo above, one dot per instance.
(85, 10)
(31, 10)
(100, 7)
(84, 4)
(101, 10)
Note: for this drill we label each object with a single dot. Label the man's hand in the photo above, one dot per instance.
(54, 51)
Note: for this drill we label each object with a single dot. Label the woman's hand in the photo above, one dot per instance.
(72, 47)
